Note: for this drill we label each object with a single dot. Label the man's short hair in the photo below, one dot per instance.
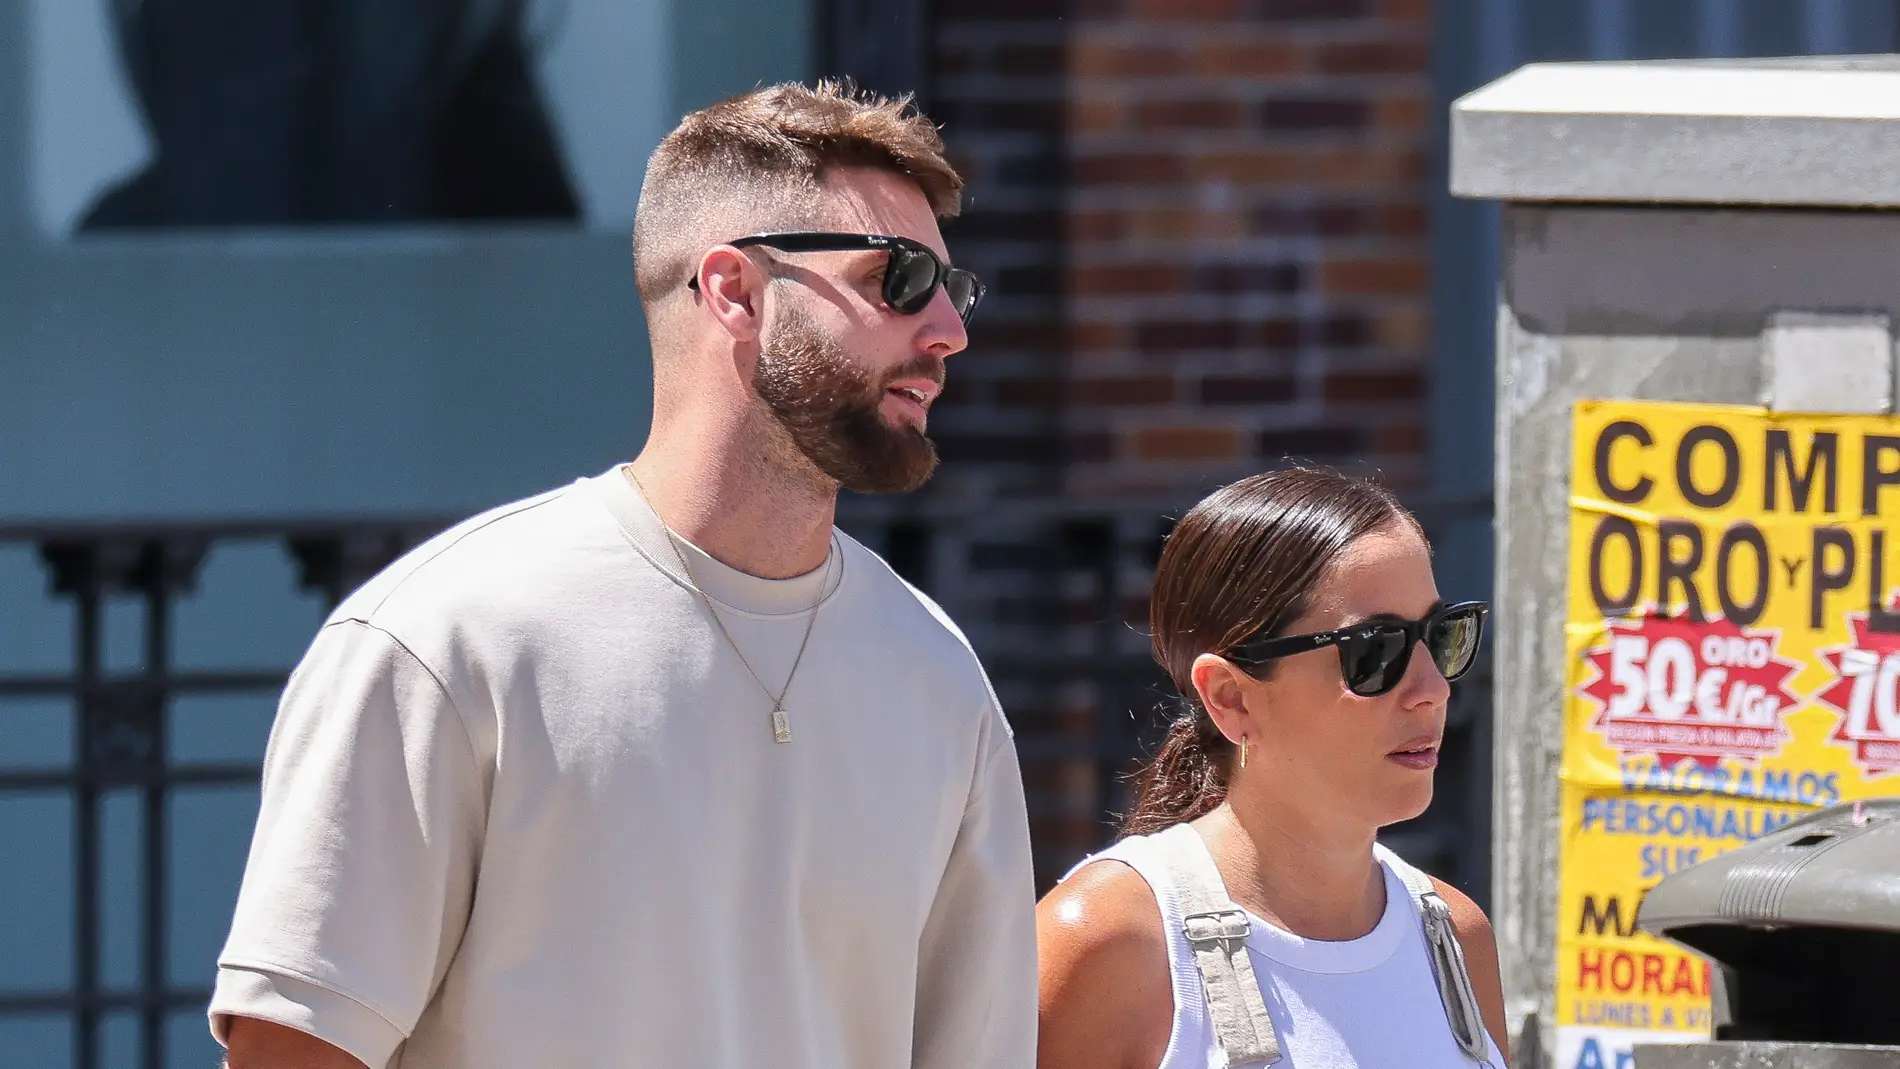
(757, 161)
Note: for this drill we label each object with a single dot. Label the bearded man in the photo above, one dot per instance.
(660, 769)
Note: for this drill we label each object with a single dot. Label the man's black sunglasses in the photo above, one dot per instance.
(911, 274)
(1373, 656)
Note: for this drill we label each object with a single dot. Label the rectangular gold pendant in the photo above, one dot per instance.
(781, 726)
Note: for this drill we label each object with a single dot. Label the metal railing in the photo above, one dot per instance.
(120, 728)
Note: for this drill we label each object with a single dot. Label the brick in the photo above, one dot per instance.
(998, 448)
(1184, 10)
(1307, 220)
(1312, 114)
(1337, 168)
(1247, 59)
(1248, 390)
(1341, 331)
(1308, 10)
(1214, 227)
(1188, 443)
(1129, 168)
(1044, 610)
(1366, 277)
(1097, 337)
(966, 11)
(1120, 59)
(1122, 392)
(1374, 386)
(1311, 442)
(1039, 391)
(1277, 333)
(1204, 114)
(1033, 280)
(1091, 448)
(1165, 335)
(1039, 115)
(965, 164)
(1407, 436)
(1029, 60)
(1161, 336)
(1135, 607)
(1409, 113)
(960, 389)
(1014, 554)
(947, 61)
(1169, 224)
(1414, 12)
(1095, 116)
(1096, 280)
(1246, 278)
(979, 224)
(1373, 57)
(1265, 167)
(1406, 329)
(1044, 168)
(1087, 227)
(1404, 219)
(1035, 336)
(1360, 168)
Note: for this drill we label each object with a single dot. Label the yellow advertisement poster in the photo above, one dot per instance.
(1733, 643)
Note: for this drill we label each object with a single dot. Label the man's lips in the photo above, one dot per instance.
(918, 390)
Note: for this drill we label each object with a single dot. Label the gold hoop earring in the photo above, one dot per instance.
(1243, 751)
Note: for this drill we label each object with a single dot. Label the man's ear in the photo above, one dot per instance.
(1222, 688)
(731, 287)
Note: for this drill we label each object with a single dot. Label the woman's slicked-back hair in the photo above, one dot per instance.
(1242, 563)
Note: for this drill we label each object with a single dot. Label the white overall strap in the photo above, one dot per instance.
(1448, 956)
(1217, 931)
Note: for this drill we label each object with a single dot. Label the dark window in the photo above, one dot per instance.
(284, 112)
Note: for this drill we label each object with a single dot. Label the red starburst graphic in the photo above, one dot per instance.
(1690, 691)
(1864, 693)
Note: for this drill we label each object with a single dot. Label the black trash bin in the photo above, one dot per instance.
(1803, 926)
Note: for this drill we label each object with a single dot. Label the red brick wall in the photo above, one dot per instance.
(1203, 224)
(1000, 88)
(1247, 239)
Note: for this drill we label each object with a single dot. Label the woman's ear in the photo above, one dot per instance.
(1223, 691)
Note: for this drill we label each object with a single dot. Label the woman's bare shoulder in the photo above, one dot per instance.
(1480, 946)
(1107, 998)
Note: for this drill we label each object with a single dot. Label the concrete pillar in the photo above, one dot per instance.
(1682, 231)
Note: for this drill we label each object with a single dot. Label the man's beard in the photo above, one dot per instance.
(830, 409)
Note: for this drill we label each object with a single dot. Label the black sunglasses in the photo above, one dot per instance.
(911, 274)
(1373, 656)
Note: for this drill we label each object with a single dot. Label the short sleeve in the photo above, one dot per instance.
(362, 866)
(976, 983)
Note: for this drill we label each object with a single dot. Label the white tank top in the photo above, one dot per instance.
(1370, 1002)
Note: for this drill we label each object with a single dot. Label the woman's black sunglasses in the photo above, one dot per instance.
(1373, 656)
(911, 274)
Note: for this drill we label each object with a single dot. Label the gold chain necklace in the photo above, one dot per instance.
(781, 722)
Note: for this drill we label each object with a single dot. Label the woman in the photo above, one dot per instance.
(1298, 617)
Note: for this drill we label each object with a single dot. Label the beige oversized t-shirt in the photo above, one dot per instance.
(522, 806)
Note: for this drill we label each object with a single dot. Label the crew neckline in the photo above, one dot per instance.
(1345, 955)
(734, 591)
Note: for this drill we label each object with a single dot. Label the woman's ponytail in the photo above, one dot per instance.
(1186, 779)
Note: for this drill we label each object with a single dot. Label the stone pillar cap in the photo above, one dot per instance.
(1809, 131)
